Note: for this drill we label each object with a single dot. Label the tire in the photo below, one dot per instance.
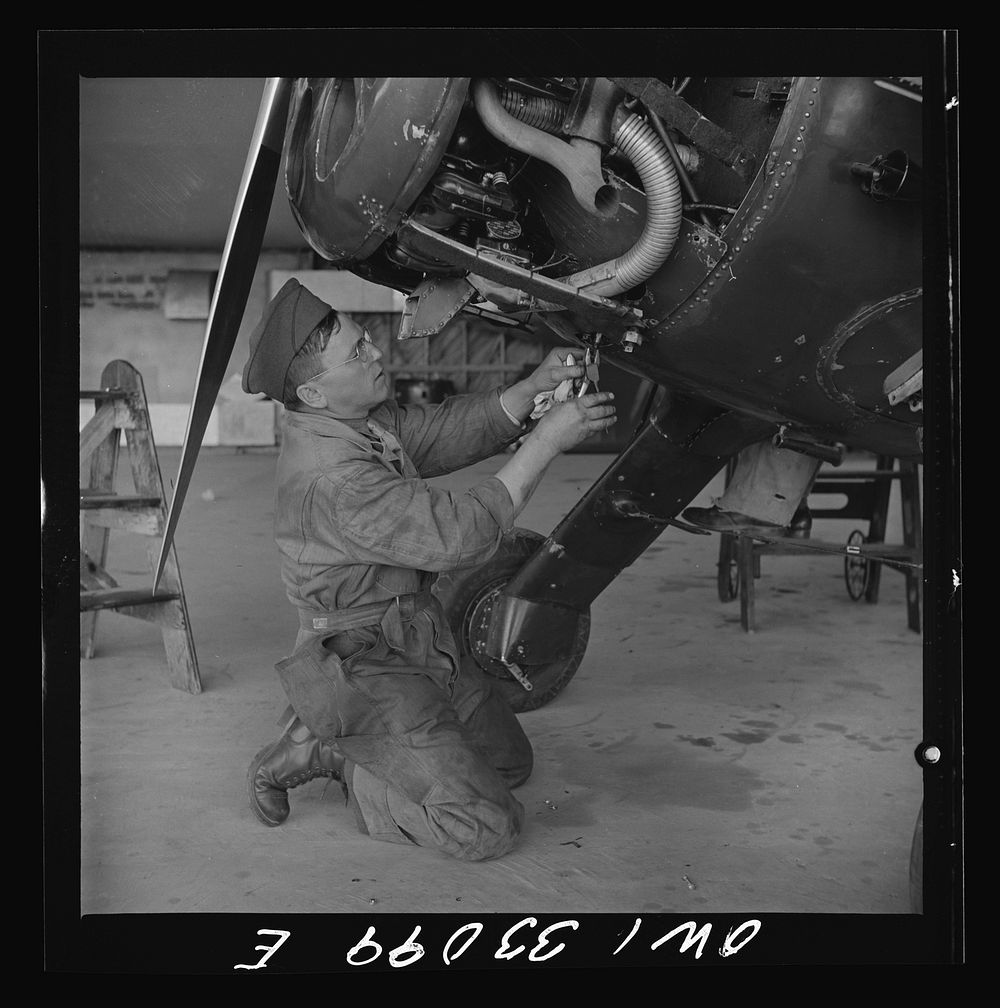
(467, 597)
(917, 865)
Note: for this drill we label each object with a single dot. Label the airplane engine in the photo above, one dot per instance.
(555, 175)
(756, 242)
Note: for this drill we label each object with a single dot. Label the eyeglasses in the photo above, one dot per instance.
(361, 351)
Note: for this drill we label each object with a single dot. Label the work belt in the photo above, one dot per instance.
(389, 616)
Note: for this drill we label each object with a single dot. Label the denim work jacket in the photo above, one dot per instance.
(355, 527)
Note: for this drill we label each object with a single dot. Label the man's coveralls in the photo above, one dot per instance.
(431, 750)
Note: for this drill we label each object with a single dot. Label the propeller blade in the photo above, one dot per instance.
(236, 271)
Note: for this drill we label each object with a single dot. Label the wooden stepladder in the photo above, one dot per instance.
(121, 406)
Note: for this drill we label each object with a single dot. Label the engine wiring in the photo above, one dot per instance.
(710, 206)
(682, 174)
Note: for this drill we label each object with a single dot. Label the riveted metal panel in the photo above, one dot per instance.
(358, 152)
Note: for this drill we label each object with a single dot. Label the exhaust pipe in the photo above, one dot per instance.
(579, 161)
(664, 203)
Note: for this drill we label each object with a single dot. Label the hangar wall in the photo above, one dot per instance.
(151, 308)
(127, 299)
(124, 308)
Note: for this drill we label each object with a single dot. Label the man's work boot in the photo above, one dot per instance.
(801, 524)
(729, 521)
(286, 764)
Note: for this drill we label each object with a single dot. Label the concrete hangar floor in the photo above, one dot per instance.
(688, 767)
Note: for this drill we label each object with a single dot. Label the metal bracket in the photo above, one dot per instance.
(429, 242)
(906, 383)
(764, 94)
(516, 672)
(804, 444)
(676, 112)
(890, 176)
(432, 305)
(625, 504)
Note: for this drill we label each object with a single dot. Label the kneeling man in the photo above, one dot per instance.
(426, 750)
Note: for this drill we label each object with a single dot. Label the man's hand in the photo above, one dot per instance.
(547, 377)
(553, 371)
(563, 427)
(566, 424)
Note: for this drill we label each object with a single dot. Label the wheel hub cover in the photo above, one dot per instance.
(477, 626)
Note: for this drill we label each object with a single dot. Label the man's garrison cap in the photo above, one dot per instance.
(293, 313)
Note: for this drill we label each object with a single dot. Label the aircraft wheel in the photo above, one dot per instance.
(728, 581)
(856, 568)
(917, 865)
(468, 596)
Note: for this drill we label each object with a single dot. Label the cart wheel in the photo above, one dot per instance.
(468, 596)
(728, 580)
(856, 568)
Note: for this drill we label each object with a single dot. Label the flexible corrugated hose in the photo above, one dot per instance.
(638, 142)
(543, 113)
